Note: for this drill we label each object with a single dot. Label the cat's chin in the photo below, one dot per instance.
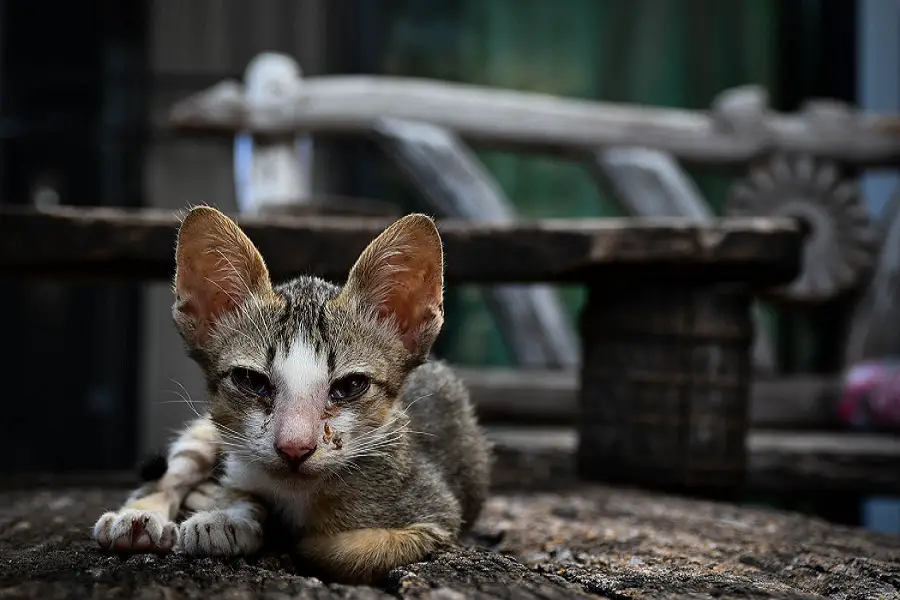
(301, 473)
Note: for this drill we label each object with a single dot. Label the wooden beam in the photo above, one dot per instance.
(67, 242)
(739, 128)
(787, 461)
(824, 460)
(518, 396)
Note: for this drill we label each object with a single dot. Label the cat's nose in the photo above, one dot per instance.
(293, 453)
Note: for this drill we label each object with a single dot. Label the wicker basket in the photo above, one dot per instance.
(665, 388)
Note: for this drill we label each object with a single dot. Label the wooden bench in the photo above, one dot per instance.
(665, 330)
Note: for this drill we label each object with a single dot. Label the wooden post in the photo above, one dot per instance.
(665, 384)
(272, 171)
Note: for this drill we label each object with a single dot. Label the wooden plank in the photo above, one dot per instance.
(781, 461)
(826, 461)
(551, 398)
(72, 242)
(727, 135)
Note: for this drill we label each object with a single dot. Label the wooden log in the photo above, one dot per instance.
(453, 183)
(539, 397)
(354, 105)
(72, 242)
(778, 461)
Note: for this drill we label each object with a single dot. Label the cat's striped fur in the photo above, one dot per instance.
(325, 414)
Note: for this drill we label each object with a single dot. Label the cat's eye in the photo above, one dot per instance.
(349, 387)
(251, 382)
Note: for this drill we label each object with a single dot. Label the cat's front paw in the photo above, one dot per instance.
(220, 533)
(135, 531)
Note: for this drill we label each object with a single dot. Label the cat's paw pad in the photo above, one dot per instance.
(135, 531)
(219, 533)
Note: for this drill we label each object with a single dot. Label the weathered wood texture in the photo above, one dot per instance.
(551, 398)
(727, 135)
(587, 542)
(778, 461)
(452, 183)
(665, 386)
(70, 242)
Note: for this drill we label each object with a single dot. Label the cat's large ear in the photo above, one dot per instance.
(217, 268)
(401, 274)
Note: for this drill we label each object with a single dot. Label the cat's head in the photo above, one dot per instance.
(303, 377)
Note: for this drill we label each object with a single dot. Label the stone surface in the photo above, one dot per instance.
(578, 542)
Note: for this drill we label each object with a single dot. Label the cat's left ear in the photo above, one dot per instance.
(401, 274)
(218, 268)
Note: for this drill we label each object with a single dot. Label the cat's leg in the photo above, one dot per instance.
(233, 527)
(365, 555)
(145, 522)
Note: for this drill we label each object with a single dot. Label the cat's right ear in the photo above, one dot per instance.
(217, 269)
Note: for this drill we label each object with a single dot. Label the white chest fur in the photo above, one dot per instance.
(292, 501)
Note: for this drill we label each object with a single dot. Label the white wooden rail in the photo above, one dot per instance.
(738, 128)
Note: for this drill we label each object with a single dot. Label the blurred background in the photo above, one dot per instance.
(92, 370)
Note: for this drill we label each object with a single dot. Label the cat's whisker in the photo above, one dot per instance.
(224, 429)
(374, 443)
(182, 401)
(186, 396)
(386, 438)
(237, 331)
(422, 397)
(428, 433)
(372, 448)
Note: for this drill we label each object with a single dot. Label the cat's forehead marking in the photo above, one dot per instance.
(303, 369)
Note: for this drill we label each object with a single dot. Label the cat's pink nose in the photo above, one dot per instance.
(294, 453)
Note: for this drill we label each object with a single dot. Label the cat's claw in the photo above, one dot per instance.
(219, 533)
(135, 531)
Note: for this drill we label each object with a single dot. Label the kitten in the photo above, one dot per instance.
(324, 410)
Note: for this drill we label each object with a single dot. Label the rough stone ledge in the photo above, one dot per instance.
(589, 541)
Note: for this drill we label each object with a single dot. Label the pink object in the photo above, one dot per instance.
(871, 395)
